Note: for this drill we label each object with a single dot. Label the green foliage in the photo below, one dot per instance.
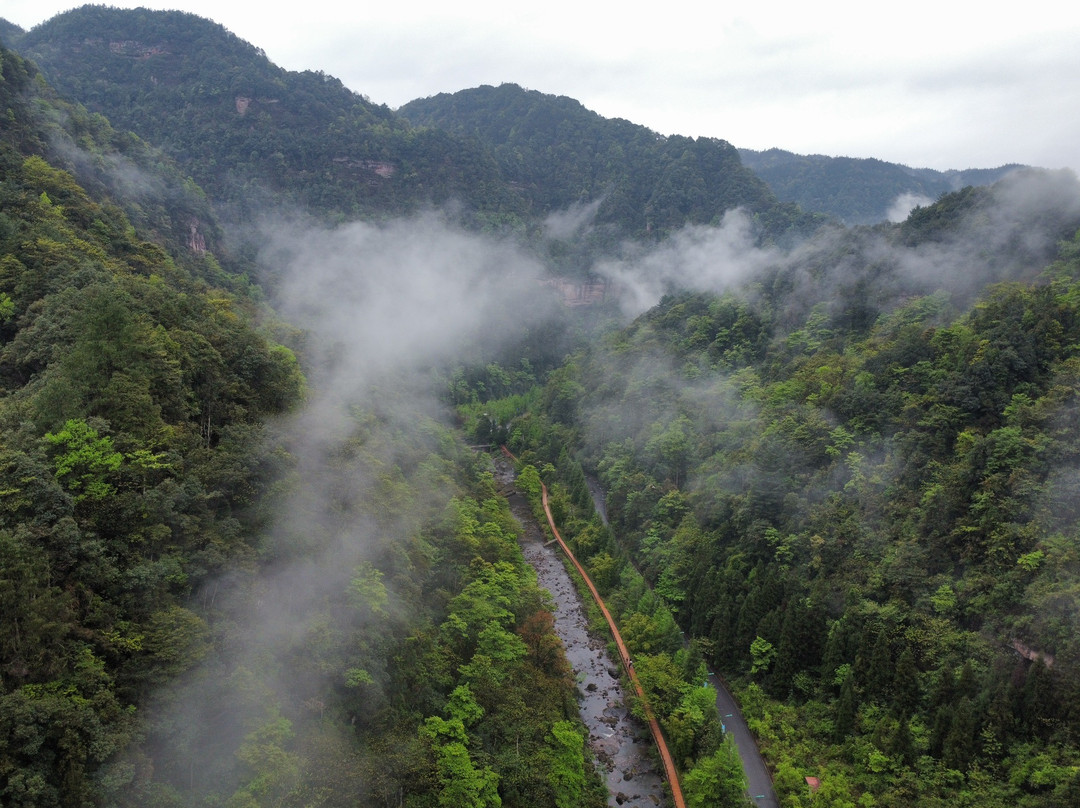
(717, 781)
(762, 654)
(842, 479)
(255, 135)
(568, 764)
(83, 460)
(642, 182)
(847, 501)
(134, 388)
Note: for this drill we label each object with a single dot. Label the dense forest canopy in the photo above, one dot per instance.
(151, 516)
(249, 321)
(850, 474)
(561, 153)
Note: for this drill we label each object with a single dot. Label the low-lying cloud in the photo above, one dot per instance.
(700, 258)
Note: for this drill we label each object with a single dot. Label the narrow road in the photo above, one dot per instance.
(758, 779)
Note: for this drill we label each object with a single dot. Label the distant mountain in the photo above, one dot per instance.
(859, 191)
(559, 153)
(9, 32)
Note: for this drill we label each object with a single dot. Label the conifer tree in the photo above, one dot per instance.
(847, 708)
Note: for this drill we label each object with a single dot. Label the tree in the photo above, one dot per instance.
(762, 654)
(462, 784)
(879, 670)
(905, 687)
(567, 747)
(84, 460)
(717, 781)
(902, 744)
(959, 744)
(847, 708)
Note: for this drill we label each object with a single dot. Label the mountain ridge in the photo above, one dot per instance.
(860, 190)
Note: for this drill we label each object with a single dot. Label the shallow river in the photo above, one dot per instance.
(621, 744)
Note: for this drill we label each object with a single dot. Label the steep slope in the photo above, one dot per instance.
(193, 610)
(559, 154)
(858, 191)
(133, 388)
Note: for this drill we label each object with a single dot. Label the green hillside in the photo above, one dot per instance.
(253, 135)
(133, 384)
(558, 154)
(851, 477)
(142, 539)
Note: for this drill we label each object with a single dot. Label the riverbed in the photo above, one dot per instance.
(620, 744)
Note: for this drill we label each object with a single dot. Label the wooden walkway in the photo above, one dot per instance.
(670, 771)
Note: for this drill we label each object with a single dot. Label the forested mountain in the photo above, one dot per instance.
(196, 606)
(254, 135)
(133, 383)
(247, 559)
(859, 191)
(560, 154)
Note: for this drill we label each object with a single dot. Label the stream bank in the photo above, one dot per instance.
(620, 744)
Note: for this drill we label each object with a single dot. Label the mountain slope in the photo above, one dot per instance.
(254, 136)
(852, 476)
(133, 388)
(164, 639)
(560, 153)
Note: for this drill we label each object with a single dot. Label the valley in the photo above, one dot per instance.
(251, 325)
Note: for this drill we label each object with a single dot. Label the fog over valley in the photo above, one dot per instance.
(297, 389)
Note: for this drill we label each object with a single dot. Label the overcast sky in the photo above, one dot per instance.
(928, 83)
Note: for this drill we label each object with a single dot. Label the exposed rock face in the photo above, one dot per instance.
(196, 240)
(130, 47)
(578, 294)
(1031, 654)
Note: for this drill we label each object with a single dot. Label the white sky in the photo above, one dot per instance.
(934, 83)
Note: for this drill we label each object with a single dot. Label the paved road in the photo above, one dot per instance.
(758, 780)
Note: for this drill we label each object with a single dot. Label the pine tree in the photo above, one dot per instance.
(960, 742)
(942, 723)
(847, 709)
(1038, 698)
(903, 745)
(879, 671)
(905, 686)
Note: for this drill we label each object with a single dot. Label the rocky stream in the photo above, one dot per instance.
(620, 743)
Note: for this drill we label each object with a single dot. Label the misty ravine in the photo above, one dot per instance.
(621, 745)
